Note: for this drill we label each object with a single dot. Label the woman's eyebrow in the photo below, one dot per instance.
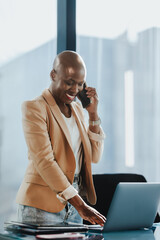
(70, 79)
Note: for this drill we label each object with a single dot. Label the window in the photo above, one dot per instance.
(120, 43)
(28, 47)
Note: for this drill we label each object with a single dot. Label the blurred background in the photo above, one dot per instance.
(119, 41)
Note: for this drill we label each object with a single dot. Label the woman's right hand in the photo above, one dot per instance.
(86, 212)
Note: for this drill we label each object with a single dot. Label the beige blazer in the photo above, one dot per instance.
(51, 160)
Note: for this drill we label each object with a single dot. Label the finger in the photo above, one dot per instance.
(97, 221)
(103, 217)
(92, 94)
(94, 97)
(97, 214)
(92, 221)
(100, 222)
(95, 217)
(100, 219)
(91, 91)
(100, 215)
(90, 88)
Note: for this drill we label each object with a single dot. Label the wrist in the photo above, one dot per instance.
(93, 116)
(76, 201)
(95, 123)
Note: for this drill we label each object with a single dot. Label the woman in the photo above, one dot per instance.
(61, 149)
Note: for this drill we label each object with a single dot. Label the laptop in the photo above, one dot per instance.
(134, 206)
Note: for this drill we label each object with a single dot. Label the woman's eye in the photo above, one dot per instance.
(69, 84)
(80, 84)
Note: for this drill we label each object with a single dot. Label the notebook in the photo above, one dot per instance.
(134, 206)
(38, 228)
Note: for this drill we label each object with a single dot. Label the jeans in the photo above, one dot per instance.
(30, 214)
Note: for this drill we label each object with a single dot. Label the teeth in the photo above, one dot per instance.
(70, 97)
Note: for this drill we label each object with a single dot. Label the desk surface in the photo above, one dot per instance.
(123, 235)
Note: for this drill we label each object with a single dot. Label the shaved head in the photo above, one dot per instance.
(69, 60)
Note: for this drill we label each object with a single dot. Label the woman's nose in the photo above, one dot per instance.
(75, 88)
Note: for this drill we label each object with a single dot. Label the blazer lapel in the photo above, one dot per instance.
(57, 114)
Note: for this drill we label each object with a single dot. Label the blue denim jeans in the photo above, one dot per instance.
(30, 214)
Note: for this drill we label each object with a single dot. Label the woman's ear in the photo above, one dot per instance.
(52, 75)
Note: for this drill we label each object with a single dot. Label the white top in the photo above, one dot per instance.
(78, 152)
(76, 141)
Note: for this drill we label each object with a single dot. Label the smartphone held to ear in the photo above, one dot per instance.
(83, 97)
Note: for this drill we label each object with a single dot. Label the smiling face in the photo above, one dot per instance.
(68, 77)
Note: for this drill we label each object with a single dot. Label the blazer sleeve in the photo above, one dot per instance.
(96, 140)
(34, 120)
(97, 143)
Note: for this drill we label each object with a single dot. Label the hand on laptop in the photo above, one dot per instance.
(86, 212)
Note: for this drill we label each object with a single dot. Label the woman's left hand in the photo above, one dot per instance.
(92, 94)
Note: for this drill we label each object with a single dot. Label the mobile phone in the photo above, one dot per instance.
(83, 97)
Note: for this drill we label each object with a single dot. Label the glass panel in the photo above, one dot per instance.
(120, 43)
(27, 46)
